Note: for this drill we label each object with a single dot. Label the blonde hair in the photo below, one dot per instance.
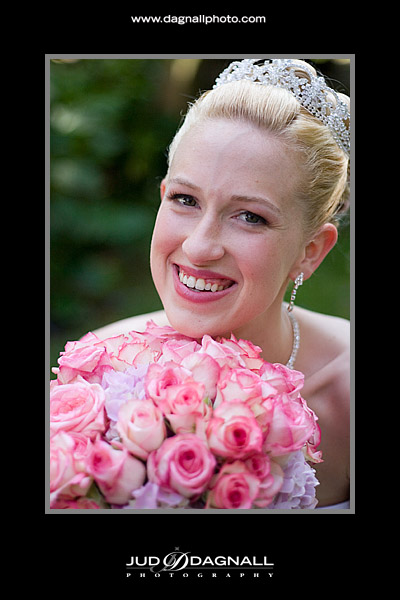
(324, 192)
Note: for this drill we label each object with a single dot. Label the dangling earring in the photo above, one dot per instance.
(297, 283)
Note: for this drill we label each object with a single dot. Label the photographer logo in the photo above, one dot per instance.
(186, 564)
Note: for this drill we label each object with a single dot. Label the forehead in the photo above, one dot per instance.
(224, 154)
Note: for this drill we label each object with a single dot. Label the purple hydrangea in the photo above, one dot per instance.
(298, 489)
(151, 495)
(123, 386)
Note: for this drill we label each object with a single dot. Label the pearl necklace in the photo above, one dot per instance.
(296, 340)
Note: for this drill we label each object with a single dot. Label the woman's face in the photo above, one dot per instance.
(228, 232)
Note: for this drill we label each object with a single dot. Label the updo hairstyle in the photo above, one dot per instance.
(324, 193)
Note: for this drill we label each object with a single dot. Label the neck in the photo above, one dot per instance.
(273, 332)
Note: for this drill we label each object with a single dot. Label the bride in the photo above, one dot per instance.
(250, 202)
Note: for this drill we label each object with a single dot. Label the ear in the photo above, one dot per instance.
(162, 187)
(316, 250)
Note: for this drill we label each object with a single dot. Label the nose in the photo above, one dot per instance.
(204, 244)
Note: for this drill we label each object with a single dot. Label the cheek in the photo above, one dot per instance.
(164, 241)
(260, 262)
(264, 267)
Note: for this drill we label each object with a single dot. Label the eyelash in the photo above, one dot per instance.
(180, 198)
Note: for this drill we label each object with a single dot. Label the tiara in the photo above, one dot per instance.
(312, 92)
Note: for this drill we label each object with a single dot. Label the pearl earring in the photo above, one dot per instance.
(297, 283)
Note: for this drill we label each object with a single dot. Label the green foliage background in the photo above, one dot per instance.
(111, 121)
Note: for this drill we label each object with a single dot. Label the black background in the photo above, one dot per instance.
(86, 553)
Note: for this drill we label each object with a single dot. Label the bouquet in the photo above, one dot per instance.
(159, 420)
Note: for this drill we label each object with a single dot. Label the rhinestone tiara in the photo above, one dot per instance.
(312, 93)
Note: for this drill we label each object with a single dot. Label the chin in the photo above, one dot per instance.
(195, 327)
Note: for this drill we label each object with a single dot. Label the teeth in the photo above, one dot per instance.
(201, 284)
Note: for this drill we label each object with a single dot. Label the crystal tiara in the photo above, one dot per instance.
(312, 92)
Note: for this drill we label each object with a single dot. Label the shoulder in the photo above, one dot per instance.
(325, 341)
(326, 362)
(136, 323)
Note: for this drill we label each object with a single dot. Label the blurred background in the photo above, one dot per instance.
(111, 121)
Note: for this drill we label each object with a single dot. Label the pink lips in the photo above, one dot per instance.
(195, 296)
(201, 273)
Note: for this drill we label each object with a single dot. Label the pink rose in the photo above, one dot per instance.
(131, 353)
(116, 472)
(282, 378)
(82, 359)
(312, 454)
(183, 464)
(159, 378)
(224, 354)
(259, 465)
(233, 431)
(249, 353)
(157, 336)
(186, 405)
(68, 477)
(141, 427)
(241, 385)
(233, 487)
(91, 357)
(291, 425)
(205, 370)
(162, 332)
(78, 407)
(176, 350)
(270, 485)
(77, 504)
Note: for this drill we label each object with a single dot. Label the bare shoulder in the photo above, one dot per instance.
(325, 361)
(325, 340)
(137, 323)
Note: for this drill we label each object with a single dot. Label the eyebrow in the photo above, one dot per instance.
(235, 198)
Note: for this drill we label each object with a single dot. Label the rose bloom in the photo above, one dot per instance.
(77, 504)
(249, 353)
(78, 407)
(157, 335)
(205, 370)
(141, 427)
(131, 353)
(270, 485)
(233, 431)
(224, 354)
(183, 464)
(176, 350)
(290, 427)
(68, 477)
(259, 465)
(283, 379)
(83, 359)
(186, 406)
(242, 385)
(116, 472)
(233, 487)
(159, 378)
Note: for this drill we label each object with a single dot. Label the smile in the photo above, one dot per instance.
(204, 284)
(200, 286)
